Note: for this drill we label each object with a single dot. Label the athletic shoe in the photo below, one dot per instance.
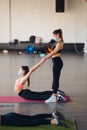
(61, 98)
(60, 123)
(61, 92)
(52, 99)
(58, 115)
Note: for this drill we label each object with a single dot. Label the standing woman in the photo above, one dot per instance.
(57, 63)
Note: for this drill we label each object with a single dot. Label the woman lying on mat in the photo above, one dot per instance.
(24, 75)
(14, 119)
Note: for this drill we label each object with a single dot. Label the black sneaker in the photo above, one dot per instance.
(61, 123)
(61, 93)
(61, 98)
(58, 115)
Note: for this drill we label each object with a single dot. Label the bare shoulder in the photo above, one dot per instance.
(18, 81)
(60, 44)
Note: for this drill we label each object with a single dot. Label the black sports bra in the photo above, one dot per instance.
(54, 45)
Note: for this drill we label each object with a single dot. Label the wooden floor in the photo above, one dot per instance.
(73, 82)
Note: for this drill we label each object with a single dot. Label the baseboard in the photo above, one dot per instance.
(68, 47)
(73, 47)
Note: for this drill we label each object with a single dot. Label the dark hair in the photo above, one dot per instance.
(26, 69)
(59, 31)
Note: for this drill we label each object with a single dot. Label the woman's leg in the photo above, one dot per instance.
(57, 66)
(38, 116)
(41, 95)
(41, 116)
(12, 119)
(56, 76)
(30, 95)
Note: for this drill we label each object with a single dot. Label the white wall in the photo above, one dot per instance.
(4, 21)
(85, 25)
(38, 17)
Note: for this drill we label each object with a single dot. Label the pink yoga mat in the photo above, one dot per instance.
(17, 99)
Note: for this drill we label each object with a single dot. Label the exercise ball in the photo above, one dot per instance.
(19, 52)
(5, 51)
(42, 55)
(30, 49)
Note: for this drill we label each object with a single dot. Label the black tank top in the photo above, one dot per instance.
(54, 45)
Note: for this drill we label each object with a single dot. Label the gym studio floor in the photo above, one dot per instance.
(73, 82)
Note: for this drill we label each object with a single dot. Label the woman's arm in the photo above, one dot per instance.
(34, 68)
(30, 72)
(58, 47)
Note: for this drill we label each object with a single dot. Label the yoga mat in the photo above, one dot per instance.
(18, 99)
(70, 123)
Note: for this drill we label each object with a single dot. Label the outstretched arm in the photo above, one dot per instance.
(34, 68)
(30, 72)
(58, 47)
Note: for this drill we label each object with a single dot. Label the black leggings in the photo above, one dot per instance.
(57, 66)
(13, 119)
(30, 95)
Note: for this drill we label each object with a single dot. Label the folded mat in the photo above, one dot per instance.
(71, 126)
(17, 99)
